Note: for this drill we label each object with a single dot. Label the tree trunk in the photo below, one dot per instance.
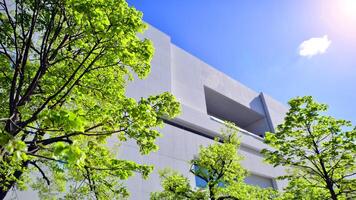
(3, 193)
(12, 126)
(211, 192)
(332, 191)
(327, 178)
(17, 174)
(5, 190)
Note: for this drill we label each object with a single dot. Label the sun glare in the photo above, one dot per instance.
(340, 17)
(348, 9)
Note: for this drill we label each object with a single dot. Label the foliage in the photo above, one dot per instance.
(177, 187)
(64, 65)
(219, 166)
(243, 191)
(320, 149)
(298, 189)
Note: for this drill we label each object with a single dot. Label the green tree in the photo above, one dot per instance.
(177, 187)
(319, 150)
(64, 65)
(298, 189)
(219, 166)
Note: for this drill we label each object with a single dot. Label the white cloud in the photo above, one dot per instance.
(314, 46)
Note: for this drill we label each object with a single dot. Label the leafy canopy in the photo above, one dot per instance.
(320, 150)
(219, 166)
(64, 65)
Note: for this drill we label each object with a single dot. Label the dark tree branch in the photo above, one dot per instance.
(91, 182)
(328, 179)
(47, 158)
(6, 53)
(27, 49)
(198, 175)
(41, 171)
(86, 133)
(42, 68)
(34, 115)
(78, 79)
(345, 176)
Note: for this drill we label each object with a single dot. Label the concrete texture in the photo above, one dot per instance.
(208, 97)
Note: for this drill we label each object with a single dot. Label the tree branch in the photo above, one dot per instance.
(41, 171)
(34, 115)
(47, 158)
(86, 133)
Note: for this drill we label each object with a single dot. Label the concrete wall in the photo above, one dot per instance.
(187, 77)
(190, 75)
(160, 78)
(275, 111)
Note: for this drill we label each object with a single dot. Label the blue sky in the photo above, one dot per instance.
(258, 44)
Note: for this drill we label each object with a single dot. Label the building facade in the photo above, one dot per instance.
(207, 97)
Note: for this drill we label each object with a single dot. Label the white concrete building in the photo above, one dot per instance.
(207, 96)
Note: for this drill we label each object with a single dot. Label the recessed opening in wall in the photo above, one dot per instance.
(224, 108)
(259, 181)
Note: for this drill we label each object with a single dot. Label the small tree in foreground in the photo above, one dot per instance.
(320, 150)
(64, 65)
(219, 166)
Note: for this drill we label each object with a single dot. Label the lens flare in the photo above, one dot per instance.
(348, 8)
